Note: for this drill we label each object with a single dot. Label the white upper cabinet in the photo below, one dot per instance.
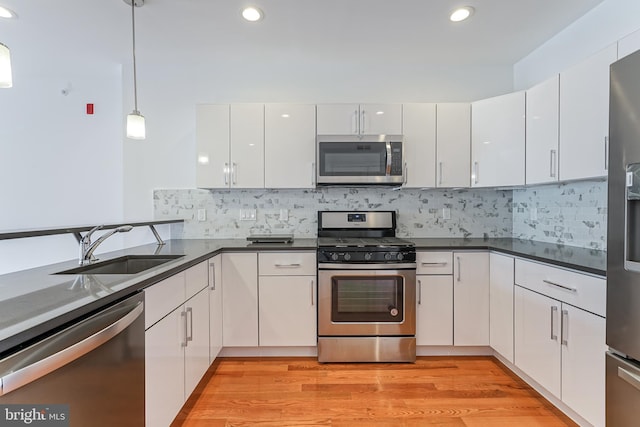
(230, 146)
(498, 141)
(359, 119)
(628, 44)
(247, 146)
(212, 151)
(542, 131)
(419, 124)
(453, 145)
(290, 134)
(584, 117)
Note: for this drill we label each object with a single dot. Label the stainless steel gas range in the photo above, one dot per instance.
(366, 289)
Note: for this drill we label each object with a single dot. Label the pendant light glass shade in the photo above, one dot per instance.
(5, 67)
(135, 126)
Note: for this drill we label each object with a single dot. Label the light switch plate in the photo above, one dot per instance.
(446, 213)
(284, 214)
(202, 214)
(533, 214)
(247, 215)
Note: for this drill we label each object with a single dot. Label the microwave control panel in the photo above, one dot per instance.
(396, 158)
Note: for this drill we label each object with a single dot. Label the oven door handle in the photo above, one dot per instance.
(354, 266)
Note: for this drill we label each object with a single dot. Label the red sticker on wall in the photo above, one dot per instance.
(89, 108)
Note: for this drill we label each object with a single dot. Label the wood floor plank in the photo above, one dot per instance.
(435, 391)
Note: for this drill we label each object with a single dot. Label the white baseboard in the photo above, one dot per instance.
(446, 350)
(269, 352)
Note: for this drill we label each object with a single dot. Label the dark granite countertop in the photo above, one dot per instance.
(36, 301)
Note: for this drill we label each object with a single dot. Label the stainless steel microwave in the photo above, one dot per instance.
(360, 159)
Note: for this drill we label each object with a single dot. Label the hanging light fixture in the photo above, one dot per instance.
(5, 67)
(135, 121)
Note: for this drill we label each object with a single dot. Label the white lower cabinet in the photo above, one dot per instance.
(215, 307)
(561, 346)
(501, 277)
(240, 299)
(434, 315)
(471, 298)
(176, 345)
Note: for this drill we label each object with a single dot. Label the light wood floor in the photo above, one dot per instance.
(435, 391)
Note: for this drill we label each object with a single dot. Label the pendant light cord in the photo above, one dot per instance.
(135, 80)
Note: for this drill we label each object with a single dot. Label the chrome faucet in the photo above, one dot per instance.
(87, 248)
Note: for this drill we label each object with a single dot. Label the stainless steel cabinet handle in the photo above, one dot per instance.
(419, 292)
(440, 173)
(554, 310)
(313, 174)
(406, 173)
(183, 315)
(429, 264)
(226, 174)
(39, 369)
(234, 170)
(606, 153)
(564, 331)
(212, 279)
(355, 122)
(312, 299)
(190, 313)
(459, 269)
(363, 128)
(476, 168)
(558, 285)
(629, 377)
(552, 164)
(292, 265)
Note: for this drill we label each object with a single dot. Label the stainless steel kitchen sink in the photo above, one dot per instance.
(129, 264)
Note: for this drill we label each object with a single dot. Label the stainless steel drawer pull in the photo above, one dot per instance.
(564, 332)
(440, 173)
(431, 264)
(293, 265)
(312, 299)
(419, 292)
(212, 266)
(554, 310)
(566, 288)
(629, 377)
(186, 329)
(459, 269)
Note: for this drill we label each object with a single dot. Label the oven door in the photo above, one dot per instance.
(354, 160)
(367, 301)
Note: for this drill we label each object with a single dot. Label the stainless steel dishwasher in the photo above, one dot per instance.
(96, 366)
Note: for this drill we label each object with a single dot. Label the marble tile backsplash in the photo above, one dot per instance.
(573, 214)
(473, 212)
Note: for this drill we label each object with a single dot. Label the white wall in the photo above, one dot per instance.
(604, 25)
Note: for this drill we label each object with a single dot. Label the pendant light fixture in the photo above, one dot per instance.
(135, 121)
(5, 67)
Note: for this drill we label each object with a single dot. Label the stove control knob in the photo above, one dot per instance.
(388, 256)
(368, 256)
(334, 256)
(347, 256)
(400, 256)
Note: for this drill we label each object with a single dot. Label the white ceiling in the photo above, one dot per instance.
(394, 31)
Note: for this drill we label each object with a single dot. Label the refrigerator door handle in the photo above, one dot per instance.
(629, 377)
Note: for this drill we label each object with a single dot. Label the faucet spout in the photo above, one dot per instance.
(87, 248)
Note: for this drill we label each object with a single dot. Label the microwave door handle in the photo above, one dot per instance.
(388, 158)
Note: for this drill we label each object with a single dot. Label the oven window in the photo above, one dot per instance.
(367, 299)
(353, 158)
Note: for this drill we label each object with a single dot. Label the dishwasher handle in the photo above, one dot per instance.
(42, 367)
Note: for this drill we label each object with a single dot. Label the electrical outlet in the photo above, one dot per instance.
(284, 214)
(533, 214)
(202, 214)
(248, 215)
(446, 213)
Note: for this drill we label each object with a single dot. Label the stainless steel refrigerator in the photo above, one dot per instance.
(623, 246)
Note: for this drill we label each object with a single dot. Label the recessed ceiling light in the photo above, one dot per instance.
(6, 13)
(461, 13)
(252, 14)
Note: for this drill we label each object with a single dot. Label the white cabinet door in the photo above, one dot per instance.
(471, 298)
(498, 141)
(287, 311)
(537, 338)
(434, 314)
(378, 119)
(240, 299)
(419, 123)
(164, 369)
(453, 145)
(290, 145)
(215, 307)
(629, 44)
(501, 272)
(212, 141)
(583, 363)
(584, 116)
(247, 146)
(196, 353)
(542, 131)
(338, 119)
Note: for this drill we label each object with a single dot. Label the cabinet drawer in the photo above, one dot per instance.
(287, 264)
(197, 278)
(162, 298)
(577, 289)
(434, 263)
